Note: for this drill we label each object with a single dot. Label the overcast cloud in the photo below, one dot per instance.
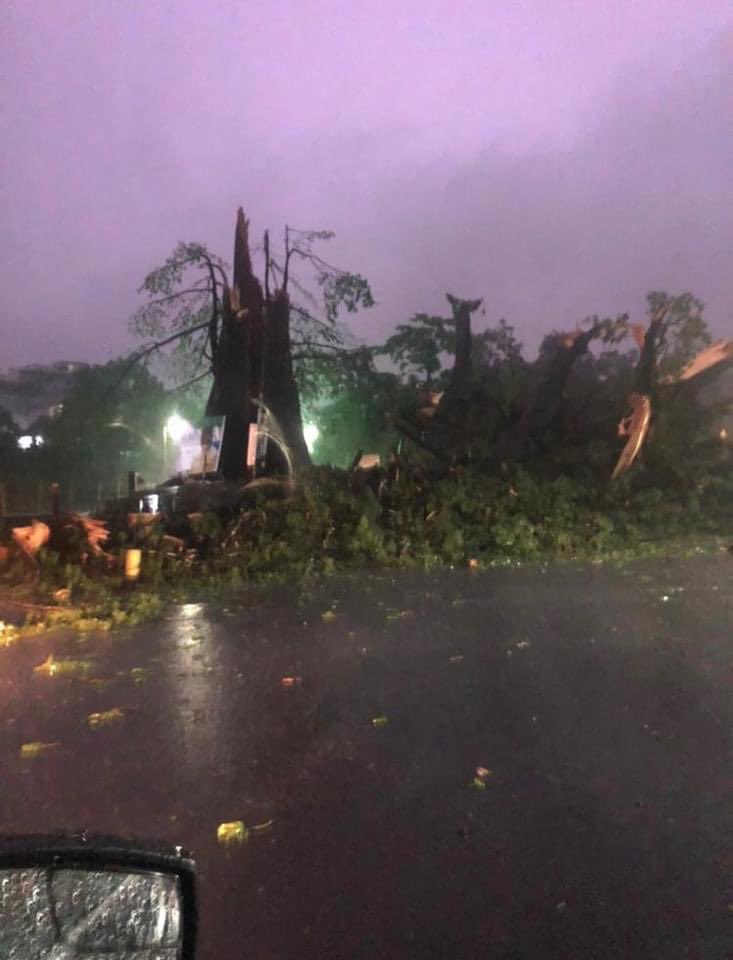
(557, 158)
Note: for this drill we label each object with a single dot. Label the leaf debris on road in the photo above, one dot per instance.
(479, 780)
(263, 827)
(400, 614)
(380, 721)
(106, 718)
(32, 750)
(232, 832)
(67, 667)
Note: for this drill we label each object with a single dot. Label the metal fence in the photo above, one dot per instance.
(34, 497)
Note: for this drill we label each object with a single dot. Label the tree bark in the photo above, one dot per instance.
(544, 405)
(463, 365)
(237, 357)
(646, 370)
(280, 388)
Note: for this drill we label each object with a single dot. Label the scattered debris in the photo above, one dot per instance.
(96, 532)
(522, 645)
(381, 721)
(142, 521)
(66, 667)
(457, 659)
(30, 751)
(328, 617)
(480, 778)
(400, 614)
(231, 833)
(31, 539)
(428, 403)
(635, 427)
(106, 718)
(291, 681)
(139, 674)
(263, 827)
(67, 535)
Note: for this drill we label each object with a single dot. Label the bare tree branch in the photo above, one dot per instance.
(267, 265)
(288, 252)
(192, 381)
(177, 295)
(213, 334)
(152, 348)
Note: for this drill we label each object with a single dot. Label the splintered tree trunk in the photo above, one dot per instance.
(549, 395)
(455, 392)
(237, 357)
(456, 412)
(281, 391)
(546, 399)
(646, 369)
(463, 366)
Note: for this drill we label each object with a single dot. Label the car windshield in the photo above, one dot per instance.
(366, 447)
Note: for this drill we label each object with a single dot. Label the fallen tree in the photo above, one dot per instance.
(470, 424)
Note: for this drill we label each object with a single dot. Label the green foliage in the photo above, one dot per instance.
(8, 426)
(337, 521)
(185, 293)
(417, 347)
(111, 422)
(684, 332)
(496, 346)
(348, 290)
(353, 415)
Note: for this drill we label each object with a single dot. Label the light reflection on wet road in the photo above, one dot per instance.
(602, 710)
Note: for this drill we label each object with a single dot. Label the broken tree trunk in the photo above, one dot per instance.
(545, 403)
(455, 411)
(463, 366)
(281, 395)
(237, 357)
(646, 369)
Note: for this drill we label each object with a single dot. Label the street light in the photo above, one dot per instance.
(310, 434)
(175, 427)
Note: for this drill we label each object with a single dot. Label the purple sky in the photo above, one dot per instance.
(558, 158)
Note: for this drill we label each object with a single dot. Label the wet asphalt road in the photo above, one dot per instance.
(600, 700)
